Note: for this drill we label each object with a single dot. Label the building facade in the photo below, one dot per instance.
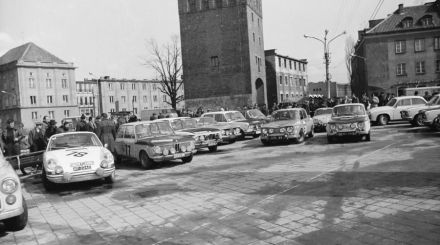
(400, 51)
(106, 95)
(337, 90)
(286, 78)
(222, 53)
(34, 84)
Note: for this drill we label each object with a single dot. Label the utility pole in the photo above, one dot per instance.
(326, 56)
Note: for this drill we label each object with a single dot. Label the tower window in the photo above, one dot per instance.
(215, 63)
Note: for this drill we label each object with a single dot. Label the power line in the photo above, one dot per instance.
(376, 9)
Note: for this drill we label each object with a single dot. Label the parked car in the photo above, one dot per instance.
(255, 114)
(249, 127)
(436, 123)
(205, 137)
(153, 142)
(13, 208)
(321, 118)
(292, 124)
(76, 157)
(414, 114)
(228, 131)
(429, 117)
(349, 120)
(391, 111)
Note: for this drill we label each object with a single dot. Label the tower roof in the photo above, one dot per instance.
(29, 52)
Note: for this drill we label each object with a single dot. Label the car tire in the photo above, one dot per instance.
(146, 162)
(110, 179)
(417, 121)
(232, 141)
(382, 120)
(312, 132)
(187, 159)
(242, 135)
(118, 158)
(368, 136)
(19, 222)
(48, 186)
(301, 137)
(212, 148)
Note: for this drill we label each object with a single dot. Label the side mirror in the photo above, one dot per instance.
(106, 145)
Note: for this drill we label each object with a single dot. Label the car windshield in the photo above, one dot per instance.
(435, 100)
(153, 129)
(323, 111)
(255, 114)
(234, 116)
(189, 123)
(177, 124)
(392, 102)
(73, 140)
(285, 115)
(349, 110)
(207, 121)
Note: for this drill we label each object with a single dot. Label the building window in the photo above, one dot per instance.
(133, 86)
(122, 86)
(48, 83)
(294, 65)
(215, 62)
(400, 47)
(279, 61)
(34, 115)
(144, 86)
(436, 43)
(51, 114)
(290, 64)
(66, 113)
(282, 97)
(65, 98)
(123, 99)
(401, 69)
(49, 99)
(134, 99)
(285, 63)
(155, 98)
(420, 67)
(110, 86)
(419, 45)
(112, 99)
(112, 110)
(407, 23)
(281, 80)
(145, 98)
(64, 83)
(253, 36)
(437, 66)
(164, 98)
(252, 14)
(285, 80)
(135, 110)
(86, 101)
(31, 82)
(427, 21)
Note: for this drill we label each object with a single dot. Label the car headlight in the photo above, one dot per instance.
(104, 164)
(282, 130)
(172, 151)
(165, 151)
(264, 131)
(108, 157)
(237, 131)
(223, 132)
(183, 148)
(51, 164)
(361, 125)
(340, 126)
(271, 131)
(290, 129)
(332, 126)
(157, 150)
(59, 170)
(353, 125)
(9, 186)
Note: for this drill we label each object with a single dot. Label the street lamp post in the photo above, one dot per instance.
(326, 56)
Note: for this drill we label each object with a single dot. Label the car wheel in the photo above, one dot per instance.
(110, 179)
(212, 148)
(232, 141)
(312, 132)
(18, 223)
(242, 135)
(383, 120)
(301, 137)
(418, 121)
(118, 158)
(368, 136)
(146, 162)
(187, 159)
(49, 186)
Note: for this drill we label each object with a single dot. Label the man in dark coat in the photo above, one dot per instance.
(82, 124)
(36, 138)
(51, 130)
(107, 132)
(11, 138)
(64, 128)
(153, 117)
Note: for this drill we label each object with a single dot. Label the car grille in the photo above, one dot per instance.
(177, 147)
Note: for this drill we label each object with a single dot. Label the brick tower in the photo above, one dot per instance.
(222, 53)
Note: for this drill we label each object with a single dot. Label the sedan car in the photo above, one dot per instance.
(228, 131)
(391, 111)
(429, 117)
(436, 123)
(76, 157)
(205, 137)
(13, 208)
(288, 125)
(414, 114)
(349, 120)
(248, 127)
(321, 118)
(152, 142)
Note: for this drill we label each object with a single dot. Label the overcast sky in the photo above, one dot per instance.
(108, 37)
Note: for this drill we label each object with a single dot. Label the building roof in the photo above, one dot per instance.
(272, 52)
(29, 52)
(393, 23)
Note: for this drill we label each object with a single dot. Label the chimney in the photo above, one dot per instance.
(400, 8)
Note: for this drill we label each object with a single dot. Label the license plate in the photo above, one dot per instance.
(258, 132)
(276, 137)
(212, 143)
(179, 155)
(347, 133)
(82, 168)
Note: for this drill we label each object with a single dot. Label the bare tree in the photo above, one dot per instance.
(349, 51)
(167, 62)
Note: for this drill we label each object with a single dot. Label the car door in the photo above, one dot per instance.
(119, 141)
(401, 105)
(304, 121)
(309, 121)
(129, 140)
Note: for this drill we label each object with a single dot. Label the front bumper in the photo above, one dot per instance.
(9, 211)
(71, 177)
(173, 157)
(228, 138)
(337, 133)
(252, 132)
(280, 137)
(320, 127)
(208, 143)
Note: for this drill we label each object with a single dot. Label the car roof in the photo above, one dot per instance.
(340, 105)
(140, 122)
(291, 109)
(409, 97)
(324, 108)
(218, 112)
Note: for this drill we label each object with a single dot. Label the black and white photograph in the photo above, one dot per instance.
(219, 122)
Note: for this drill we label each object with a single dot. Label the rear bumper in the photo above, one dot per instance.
(79, 177)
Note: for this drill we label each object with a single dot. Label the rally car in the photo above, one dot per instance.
(151, 142)
(249, 127)
(414, 115)
(228, 131)
(321, 118)
(292, 124)
(75, 157)
(205, 137)
(349, 120)
(13, 208)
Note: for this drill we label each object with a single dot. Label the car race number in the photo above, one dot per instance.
(77, 154)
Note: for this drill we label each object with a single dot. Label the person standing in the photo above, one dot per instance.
(51, 130)
(63, 128)
(82, 124)
(36, 138)
(107, 132)
(92, 125)
(45, 123)
(11, 138)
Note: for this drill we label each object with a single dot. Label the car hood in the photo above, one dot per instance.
(348, 119)
(279, 124)
(65, 157)
(221, 125)
(165, 140)
(200, 131)
(323, 118)
(6, 169)
(251, 121)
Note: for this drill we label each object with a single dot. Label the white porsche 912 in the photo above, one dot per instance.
(75, 157)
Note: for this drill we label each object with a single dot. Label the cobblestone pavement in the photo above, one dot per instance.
(386, 191)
